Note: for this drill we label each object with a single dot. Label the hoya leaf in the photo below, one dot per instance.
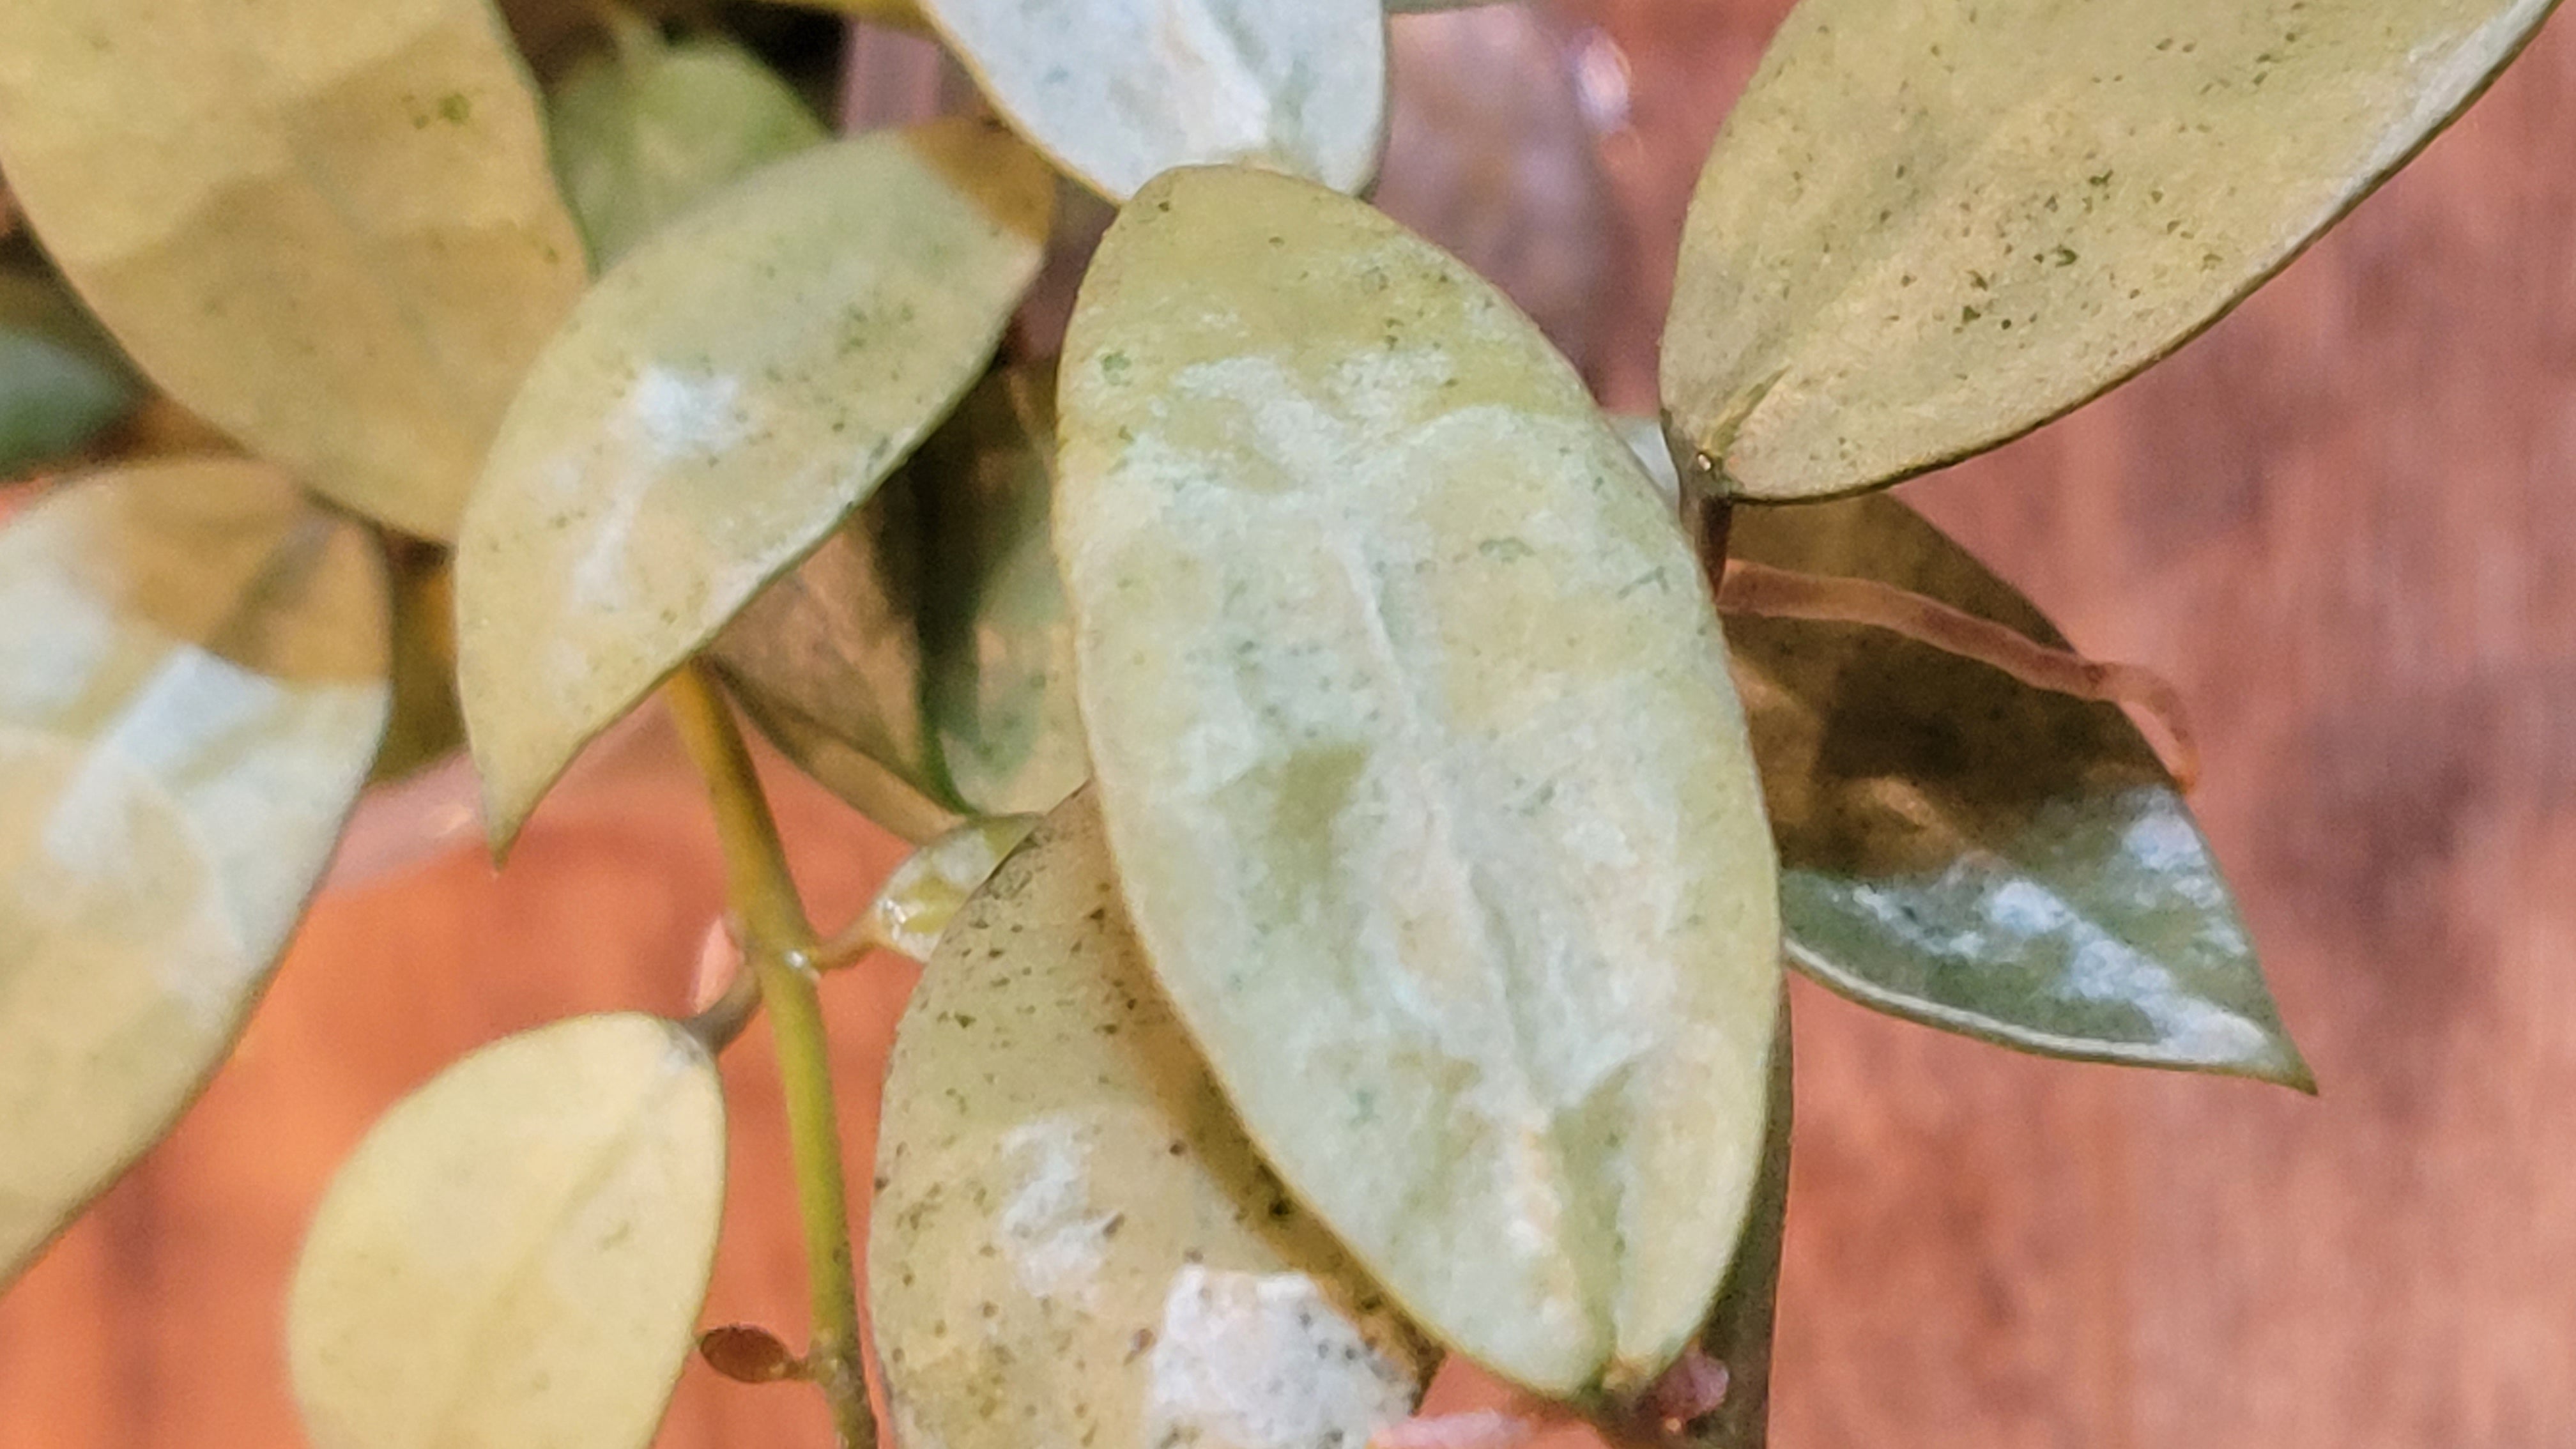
(719, 402)
(330, 231)
(996, 638)
(827, 658)
(192, 682)
(1422, 768)
(1073, 1241)
(1961, 849)
(1929, 227)
(643, 130)
(62, 382)
(917, 903)
(1118, 91)
(910, 689)
(1418, 7)
(516, 1252)
(897, 14)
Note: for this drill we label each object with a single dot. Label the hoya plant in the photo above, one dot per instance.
(1365, 795)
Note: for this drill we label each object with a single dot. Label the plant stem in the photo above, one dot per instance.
(780, 945)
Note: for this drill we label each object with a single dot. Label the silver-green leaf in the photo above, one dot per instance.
(516, 1253)
(1931, 226)
(1118, 91)
(192, 683)
(720, 401)
(1422, 768)
(1073, 1241)
(642, 131)
(1964, 850)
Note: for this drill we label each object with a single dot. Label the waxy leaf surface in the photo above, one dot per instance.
(192, 683)
(1073, 1242)
(1118, 91)
(62, 381)
(1962, 849)
(1931, 226)
(516, 1252)
(721, 400)
(644, 130)
(913, 690)
(327, 228)
(1422, 767)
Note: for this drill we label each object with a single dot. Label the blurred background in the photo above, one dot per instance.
(2337, 522)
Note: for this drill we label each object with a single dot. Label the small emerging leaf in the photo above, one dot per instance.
(328, 228)
(62, 382)
(640, 133)
(1118, 91)
(1961, 849)
(192, 682)
(516, 1252)
(925, 892)
(1073, 1242)
(1425, 778)
(1931, 226)
(721, 400)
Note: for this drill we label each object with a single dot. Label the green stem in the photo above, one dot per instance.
(779, 943)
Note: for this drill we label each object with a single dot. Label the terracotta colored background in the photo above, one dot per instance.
(2337, 522)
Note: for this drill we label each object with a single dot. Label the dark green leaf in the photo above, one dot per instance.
(640, 133)
(192, 682)
(1931, 225)
(1073, 1240)
(62, 382)
(1961, 849)
(954, 682)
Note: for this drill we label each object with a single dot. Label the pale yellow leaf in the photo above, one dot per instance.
(515, 1254)
(326, 227)
(720, 402)
(1074, 1243)
(192, 684)
(1119, 90)
(1422, 767)
(1931, 226)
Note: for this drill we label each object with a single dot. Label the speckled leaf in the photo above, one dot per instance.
(62, 382)
(1961, 849)
(1422, 767)
(640, 132)
(954, 681)
(192, 681)
(516, 1253)
(1928, 227)
(721, 400)
(327, 228)
(1073, 1243)
(914, 907)
(1118, 91)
